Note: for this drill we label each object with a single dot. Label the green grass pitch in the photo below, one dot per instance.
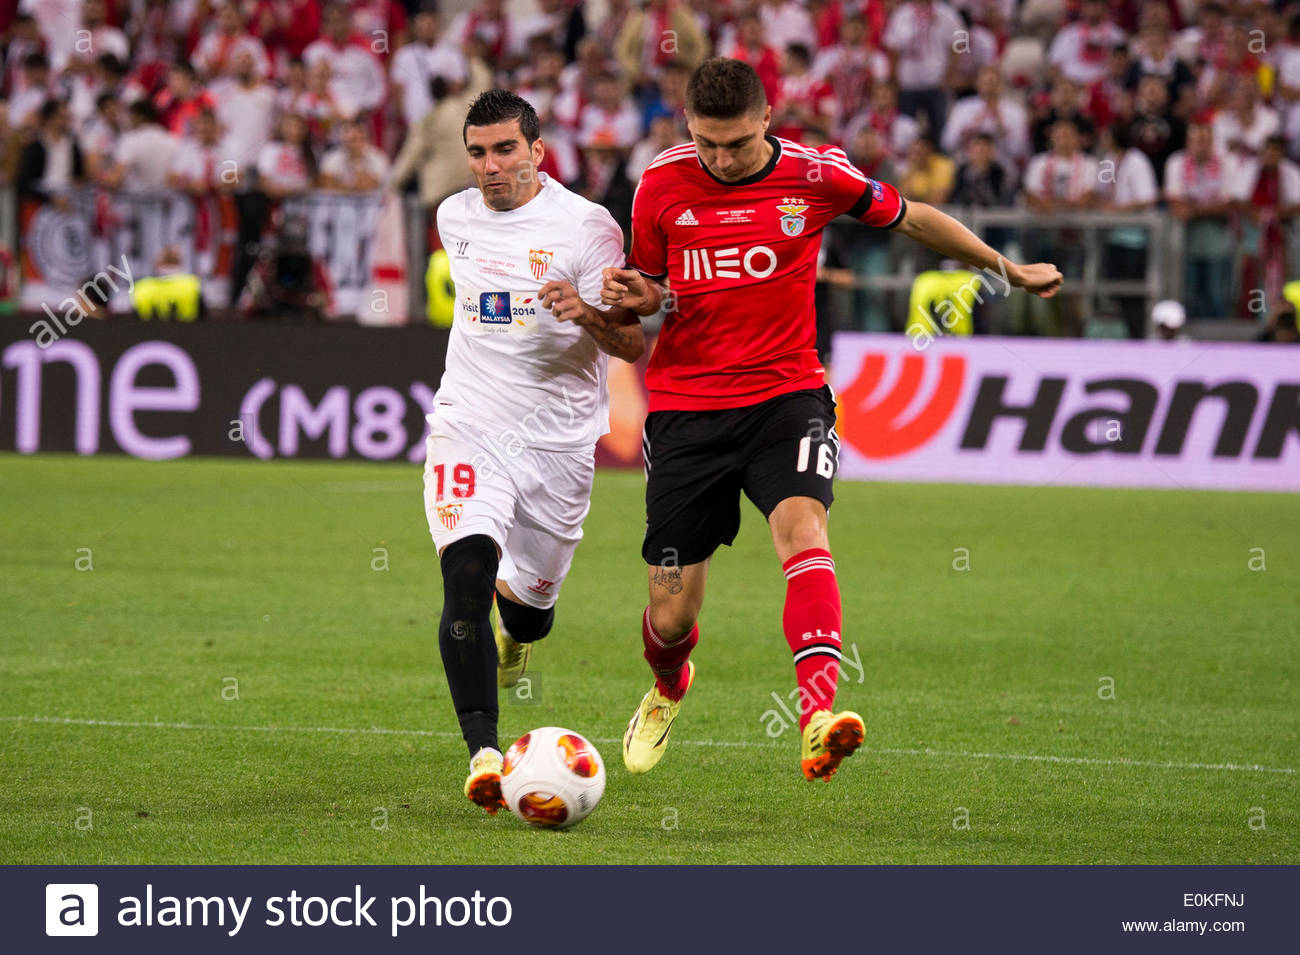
(1114, 679)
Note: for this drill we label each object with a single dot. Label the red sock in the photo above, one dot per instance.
(812, 628)
(668, 660)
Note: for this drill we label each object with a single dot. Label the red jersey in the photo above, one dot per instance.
(741, 262)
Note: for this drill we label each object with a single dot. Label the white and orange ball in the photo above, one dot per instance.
(553, 778)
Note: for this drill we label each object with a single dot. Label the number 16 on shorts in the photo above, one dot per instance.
(825, 466)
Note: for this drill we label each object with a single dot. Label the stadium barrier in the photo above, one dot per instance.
(170, 390)
(977, 410)
(373, 250)
(1032, 411)
(358, 241)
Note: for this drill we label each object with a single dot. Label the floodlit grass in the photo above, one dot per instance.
(250, 674)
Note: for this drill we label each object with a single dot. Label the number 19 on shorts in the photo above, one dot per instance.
(462, 477)
(825, 457)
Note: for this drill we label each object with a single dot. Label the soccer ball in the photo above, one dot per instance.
(553, 778)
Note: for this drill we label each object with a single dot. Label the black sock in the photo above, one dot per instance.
(469, 652)
(525, 624)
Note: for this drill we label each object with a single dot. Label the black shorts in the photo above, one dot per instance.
(698, 462)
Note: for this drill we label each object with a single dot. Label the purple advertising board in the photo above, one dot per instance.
(1076, 412)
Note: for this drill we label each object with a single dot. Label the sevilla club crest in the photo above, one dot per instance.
(539, 260)
(449, 515)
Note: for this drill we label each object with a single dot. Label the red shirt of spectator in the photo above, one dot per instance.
(803, 101)
(286, 26)
(751, 47)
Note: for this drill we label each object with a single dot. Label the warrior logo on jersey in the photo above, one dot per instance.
(539, 260)
(449, 515)
(792, 222)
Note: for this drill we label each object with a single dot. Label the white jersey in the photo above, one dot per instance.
(514, 371)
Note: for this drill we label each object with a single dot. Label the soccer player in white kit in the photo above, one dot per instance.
(523, 400)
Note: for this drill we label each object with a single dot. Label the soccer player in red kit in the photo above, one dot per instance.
(731, 223)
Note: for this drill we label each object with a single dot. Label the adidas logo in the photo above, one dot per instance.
(687, 218)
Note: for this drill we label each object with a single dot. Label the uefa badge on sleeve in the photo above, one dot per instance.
(792, 220)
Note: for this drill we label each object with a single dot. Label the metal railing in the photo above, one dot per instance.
(1017, 231)
(1022, 234)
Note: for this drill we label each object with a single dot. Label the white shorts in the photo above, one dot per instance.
(532, 505)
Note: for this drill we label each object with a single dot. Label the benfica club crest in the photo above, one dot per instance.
(539, 260)
(792, 220)
(449, 515)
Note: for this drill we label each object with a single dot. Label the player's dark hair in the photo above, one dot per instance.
(500, 106)
(722, 88)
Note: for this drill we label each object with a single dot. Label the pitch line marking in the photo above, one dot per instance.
(448, 734)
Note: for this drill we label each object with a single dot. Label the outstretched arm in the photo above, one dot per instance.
(937, 230)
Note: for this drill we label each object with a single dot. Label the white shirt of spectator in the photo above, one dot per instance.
(282, 166)
(1201, 184)
(1082, 52)
(1053, 176)
(312, 107)
(624, 125)
(217, 53)
(981, 50)
(357, 71)
(55, 19)
(98, 137)
(58, 166)
(788, 23)
(25, 105)
(503, 375)
(1244, 177)
(414, 67)
(1227, 129)
(346, 170)
(1133, 181)
(525, 26)
(248, 116)
(903, 130)
(1288, 74)
(107, 39)
(923, 37)
(146, 153)
(971, 114)
(195, 162)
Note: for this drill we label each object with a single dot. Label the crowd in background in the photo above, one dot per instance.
(1058, 105)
